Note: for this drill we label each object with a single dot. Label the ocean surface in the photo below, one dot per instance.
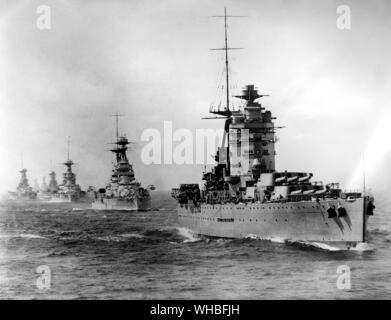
(88, 254)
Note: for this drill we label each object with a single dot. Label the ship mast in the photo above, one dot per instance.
(226, 56)
(364, 200)
(69, 144)
(116, 115)
(69, 163)
(120, 148)
(227, 111)
(363, 175)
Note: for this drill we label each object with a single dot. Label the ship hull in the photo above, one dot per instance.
(64, 199)
(298, 221)
(16, 196)
(122, 204)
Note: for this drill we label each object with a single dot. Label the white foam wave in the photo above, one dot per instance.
(31, 236)
(221, 240)
(360, 247)
(188, 235)
(319, 245)
(23, 235)
(269, 238)
(120, 237)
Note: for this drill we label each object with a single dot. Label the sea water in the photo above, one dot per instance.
(87, 254)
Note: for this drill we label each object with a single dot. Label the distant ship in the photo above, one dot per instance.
(48, 192)
(53, 184)
(68, 190)
(245, 196)
(23, 191)
(44, 185)
(123, 192)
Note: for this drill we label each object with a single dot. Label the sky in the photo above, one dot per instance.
(150, 60)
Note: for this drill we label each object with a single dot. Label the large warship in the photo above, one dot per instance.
(53, 184)
(123, 192)
(245, 196)
(68, 190)
(23, 191)
(49, 192)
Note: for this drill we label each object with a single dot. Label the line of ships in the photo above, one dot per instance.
(123, 192)
(242, 195)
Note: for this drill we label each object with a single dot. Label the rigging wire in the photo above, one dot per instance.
(220, 89)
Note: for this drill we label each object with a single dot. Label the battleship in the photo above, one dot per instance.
(68, 190)
(48, 192)
(53, 184)
(123, 192)
(23, 191)
(244, 195)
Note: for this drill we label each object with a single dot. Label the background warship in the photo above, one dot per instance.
(23, 191)
(123, 192)
(46, 192)
(245, 196)
(68, 190)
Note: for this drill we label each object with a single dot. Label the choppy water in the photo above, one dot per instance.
(146, 255)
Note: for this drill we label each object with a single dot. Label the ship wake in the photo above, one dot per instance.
(359, 247)
(189, 235)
